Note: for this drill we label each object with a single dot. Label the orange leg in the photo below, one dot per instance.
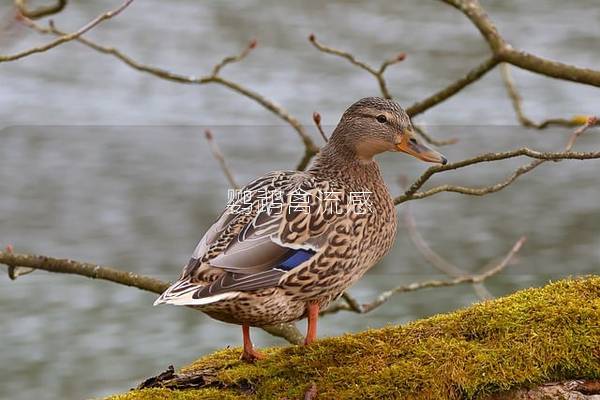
(313, 315)
(249, 354)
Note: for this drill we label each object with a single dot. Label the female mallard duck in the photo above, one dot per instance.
(295, 240)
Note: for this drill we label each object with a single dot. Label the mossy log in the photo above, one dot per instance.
(524, 340)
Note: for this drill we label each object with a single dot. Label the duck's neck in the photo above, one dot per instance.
(338, 161)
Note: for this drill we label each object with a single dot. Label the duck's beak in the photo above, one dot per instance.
(411, 144)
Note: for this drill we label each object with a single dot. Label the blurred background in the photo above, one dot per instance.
(104, 164)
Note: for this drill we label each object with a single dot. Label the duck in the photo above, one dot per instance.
(291, 242)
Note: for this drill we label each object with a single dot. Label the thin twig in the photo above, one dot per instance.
(382, 298)
(517, 103)
(94, 271)
(377, 73)
(67, 37)
(422, 105)
(436, 260)
(233, 59)
(412, 193)
(218, 154)
(591, 121)
(385, 296)
(317, 120)
(455, 87)
(311, 149)
(436, 142)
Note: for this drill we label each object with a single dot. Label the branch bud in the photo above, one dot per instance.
(317, 118)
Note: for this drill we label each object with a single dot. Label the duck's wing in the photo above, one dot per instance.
(255, 247)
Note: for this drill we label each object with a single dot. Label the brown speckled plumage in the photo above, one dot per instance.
(236, 273)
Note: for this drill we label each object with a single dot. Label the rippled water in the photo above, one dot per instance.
(102, 163)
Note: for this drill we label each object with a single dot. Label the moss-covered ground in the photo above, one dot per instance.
(530, 337)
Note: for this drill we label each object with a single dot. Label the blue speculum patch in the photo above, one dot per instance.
(296, 258)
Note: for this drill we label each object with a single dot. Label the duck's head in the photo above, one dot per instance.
(374, 125)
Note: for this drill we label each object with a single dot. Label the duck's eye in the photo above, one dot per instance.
(381, 118)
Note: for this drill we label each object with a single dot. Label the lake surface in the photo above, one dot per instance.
(101, 163)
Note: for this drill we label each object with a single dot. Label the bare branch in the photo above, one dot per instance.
(385, 296)
(305, 160)
(436, 260)
(505, 52)
(352, 302)
(233, 59)
(382, 298)
(15, 271)
(412, 193)
(455, 87)
(216, 152)
(94, 271)
(473, 10)
(310, 148)
(68, 37)
(517, 104)
(436, 142)
(39, 12)
(591, 121)
(317, 120)
(89, 270)
(501, 51)
(377, 73)
(288, 332)
(482, 190)
(553, 69)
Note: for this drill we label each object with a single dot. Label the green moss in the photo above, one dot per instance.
(166, 394)
(530, 337)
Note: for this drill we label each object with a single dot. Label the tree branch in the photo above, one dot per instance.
(67, 37)
(233, 59)
(505, 52)
(94, 271)
(553, 69)
(455, 87)
(89, 270)
(377, 73)
(385, 296)
(473, 10)
(216, 152)
(436, 260)
(412, 193)
(436, 142)
(517, 103)
(501, 52)
(379, 76)
(311, 149)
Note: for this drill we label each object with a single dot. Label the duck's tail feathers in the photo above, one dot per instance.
(181, 293)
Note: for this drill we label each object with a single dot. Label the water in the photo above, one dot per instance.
(104, 164)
